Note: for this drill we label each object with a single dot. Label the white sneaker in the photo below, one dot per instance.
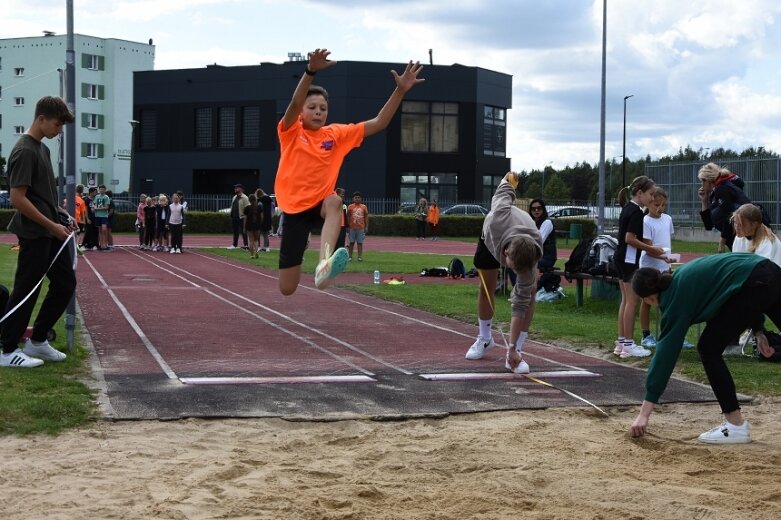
(727, 433)
(619, 346)
(18, 359)
(43, 351)
(178, 251)
(479, 348)
(172, 252)
(634, 350)
(522, 368)
(329, 268)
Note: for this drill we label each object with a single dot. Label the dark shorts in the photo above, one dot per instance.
(296, 235)
(626, 271)
(483, 258)
(101, 221)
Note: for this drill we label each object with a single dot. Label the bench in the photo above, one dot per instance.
(580, 277)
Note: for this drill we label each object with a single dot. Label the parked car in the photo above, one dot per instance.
(574, 212)
(5, 200)
(407, 208)
(465, 209)
(124, 206)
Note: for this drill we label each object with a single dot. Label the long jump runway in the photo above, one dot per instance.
(196, 335)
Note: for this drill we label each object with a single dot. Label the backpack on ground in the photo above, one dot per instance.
(456, 268)
(434, 271)
(599, 259)
(575, 262)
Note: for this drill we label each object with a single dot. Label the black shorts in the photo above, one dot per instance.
(483, 258)
(626, 271)
(295, 237)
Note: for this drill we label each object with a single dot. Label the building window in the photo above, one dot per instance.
(19, 71)
(18, 101)
(250, 127)
(429, 127)
(92, 121)
(494, 131)
(92, 150)
(490, 183)
(92, 91)
(227, 136)
(92, 178)
(203, 127)
(432, 186)
(148, 129)
(93, 62)
(18, 130)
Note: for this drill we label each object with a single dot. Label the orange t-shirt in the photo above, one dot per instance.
(357, 215)
(81, 209)
(433, 214)
(309, 162)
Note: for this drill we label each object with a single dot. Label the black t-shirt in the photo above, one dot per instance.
(30, 165)
(630, 221)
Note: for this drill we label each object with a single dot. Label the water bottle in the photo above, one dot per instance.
(376, 277)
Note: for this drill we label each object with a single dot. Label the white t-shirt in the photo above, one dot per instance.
(770, 249)
(660, 232)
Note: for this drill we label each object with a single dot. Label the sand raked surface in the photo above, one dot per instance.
(545, 464)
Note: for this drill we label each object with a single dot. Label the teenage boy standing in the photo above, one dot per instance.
(36, 223)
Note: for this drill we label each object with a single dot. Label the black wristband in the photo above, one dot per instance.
(309, 72)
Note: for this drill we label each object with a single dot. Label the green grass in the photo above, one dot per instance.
(50, 398)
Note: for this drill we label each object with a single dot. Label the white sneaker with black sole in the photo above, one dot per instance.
(43, 351)
(479, 348)
(18, 359)
(727, 433)
(633, 350)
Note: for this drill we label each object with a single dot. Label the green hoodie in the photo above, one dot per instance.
(696, 294)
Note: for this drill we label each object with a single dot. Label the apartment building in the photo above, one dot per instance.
(31, 68)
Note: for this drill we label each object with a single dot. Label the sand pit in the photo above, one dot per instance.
(542, 464)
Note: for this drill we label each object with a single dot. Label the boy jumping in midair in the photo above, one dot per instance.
(311, 156)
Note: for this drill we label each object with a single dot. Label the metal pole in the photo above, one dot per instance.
(623, 159)
(61, 153)
(70, 142)
(132, 181)
(601, 191)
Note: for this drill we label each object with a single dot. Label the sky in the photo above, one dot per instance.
(705, 74)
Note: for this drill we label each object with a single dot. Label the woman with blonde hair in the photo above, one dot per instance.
(720, 193)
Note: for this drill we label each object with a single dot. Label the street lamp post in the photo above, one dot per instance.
(131, 181)
(623, 160)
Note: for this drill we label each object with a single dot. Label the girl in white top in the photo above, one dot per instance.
(752, 236)
(657, 231)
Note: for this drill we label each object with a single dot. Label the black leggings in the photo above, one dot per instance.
(760, 295)
(421, 228)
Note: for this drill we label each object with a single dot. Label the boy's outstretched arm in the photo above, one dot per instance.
(318, 60)
(404, 82)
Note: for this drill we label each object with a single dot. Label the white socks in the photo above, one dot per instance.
(521, 340)
(485, 329)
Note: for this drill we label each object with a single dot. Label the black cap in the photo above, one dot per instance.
(239, 186)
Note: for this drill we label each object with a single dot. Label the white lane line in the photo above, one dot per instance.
(275, 380)
(470, 376)
(386, 311)
(273, 324)
(134, 325)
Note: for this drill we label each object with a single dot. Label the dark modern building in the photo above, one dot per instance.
(203, 130)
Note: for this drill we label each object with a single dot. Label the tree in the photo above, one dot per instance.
(555, 189)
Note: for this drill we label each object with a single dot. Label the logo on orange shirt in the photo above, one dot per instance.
(327, 145)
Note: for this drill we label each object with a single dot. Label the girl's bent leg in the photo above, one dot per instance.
(332, 214)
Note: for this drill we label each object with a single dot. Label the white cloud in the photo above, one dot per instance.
(702, 73)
